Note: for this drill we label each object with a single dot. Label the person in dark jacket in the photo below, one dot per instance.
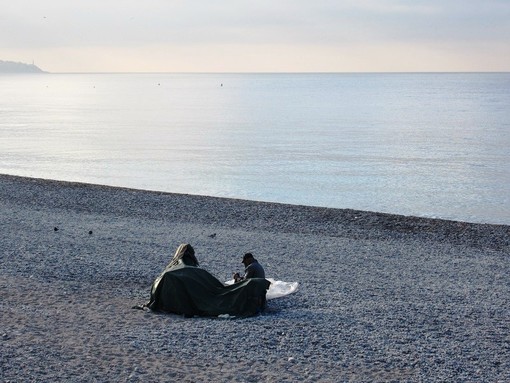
(184, 288)
(253, 269)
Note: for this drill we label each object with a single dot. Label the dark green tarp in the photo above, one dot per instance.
(184, 288)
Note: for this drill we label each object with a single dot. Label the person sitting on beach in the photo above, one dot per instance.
(253, 269)
(183, 288)
(184, 254)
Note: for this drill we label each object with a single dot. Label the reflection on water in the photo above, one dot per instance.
(414, 144)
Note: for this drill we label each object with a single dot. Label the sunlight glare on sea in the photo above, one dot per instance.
(432, 145)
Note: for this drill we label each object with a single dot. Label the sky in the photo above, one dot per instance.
(257, 36)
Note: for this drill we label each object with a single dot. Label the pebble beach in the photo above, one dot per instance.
(381, 298)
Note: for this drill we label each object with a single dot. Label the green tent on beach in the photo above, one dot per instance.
(184, 288)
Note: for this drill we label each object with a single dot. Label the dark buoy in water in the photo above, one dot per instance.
(55, 228)
(90, 232)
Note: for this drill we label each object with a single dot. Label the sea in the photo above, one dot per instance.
(422, 144)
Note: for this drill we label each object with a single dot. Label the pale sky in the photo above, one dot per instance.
(257, 36)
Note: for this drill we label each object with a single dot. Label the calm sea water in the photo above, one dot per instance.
(433, 145)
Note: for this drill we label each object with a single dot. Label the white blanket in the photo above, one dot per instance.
(277, 289)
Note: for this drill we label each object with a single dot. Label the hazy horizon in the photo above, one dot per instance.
(274, 72)
(230, 36)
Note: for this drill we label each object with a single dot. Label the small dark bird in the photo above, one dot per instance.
(55, 228)
(213, 235)
(90, 232)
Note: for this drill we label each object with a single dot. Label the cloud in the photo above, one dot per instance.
(131, 26)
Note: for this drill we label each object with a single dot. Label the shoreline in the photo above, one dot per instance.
(395, 212)
(381, 297)
(289, 216)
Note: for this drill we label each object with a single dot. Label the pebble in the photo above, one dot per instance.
(380, 296)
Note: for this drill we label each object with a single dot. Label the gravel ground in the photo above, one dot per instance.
(382, 298)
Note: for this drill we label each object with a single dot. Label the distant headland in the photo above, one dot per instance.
(16, 67)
